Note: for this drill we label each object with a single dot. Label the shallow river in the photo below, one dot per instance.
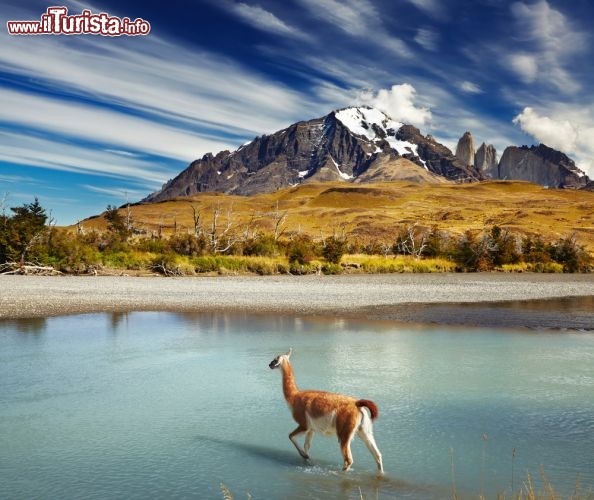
(162, 405)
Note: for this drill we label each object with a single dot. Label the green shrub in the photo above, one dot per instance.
(334, 249)
(263, 246)
(125, 259)
(330, 268)
(166, 264)
(151, 245)
(187, 244)
(301, 250)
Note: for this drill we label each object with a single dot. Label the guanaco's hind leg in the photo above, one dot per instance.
(366, 434)
(298, 431)
(345, 448)
(346, 425)
(308, 438)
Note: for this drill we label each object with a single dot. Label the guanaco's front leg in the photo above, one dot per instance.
(298, 431)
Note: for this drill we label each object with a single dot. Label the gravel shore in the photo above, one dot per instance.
(474, 299)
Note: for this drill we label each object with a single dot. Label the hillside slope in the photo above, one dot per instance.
(374, 211)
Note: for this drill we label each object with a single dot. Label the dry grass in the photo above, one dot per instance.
(377, 264)
(373, 211)
(528, 491)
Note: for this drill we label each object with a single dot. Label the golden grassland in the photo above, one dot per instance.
(242, 264)
(372, 212)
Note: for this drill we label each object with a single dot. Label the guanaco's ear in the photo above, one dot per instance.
(288, 355)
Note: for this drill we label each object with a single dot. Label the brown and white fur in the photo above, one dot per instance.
(328, 413)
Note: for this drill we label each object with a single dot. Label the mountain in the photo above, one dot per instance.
(541, 165)
(363, 144)
(538, 164)
(359, 144)
(485, 159)
(438, 158)
(465, 149)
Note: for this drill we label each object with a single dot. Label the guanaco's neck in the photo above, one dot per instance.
(289, 385)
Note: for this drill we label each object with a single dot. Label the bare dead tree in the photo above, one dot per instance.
(279, 218)
(27, 269)
(322, 237)
(51, 224)
(250, 226)
(196, 218)
(412, 241)
(160, 228)
(339, 233)
(220, 236)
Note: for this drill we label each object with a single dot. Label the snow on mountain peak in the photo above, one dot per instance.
(360, 121)
(376, 126)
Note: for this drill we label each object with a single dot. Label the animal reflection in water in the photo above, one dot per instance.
(328, 413)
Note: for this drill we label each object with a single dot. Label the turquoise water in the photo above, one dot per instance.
(163, 405)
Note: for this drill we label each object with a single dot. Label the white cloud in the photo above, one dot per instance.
(101, 125)
(142, 94)
(25, 149)
(156, 76)
(264, 20)
(431, 7)
(116, 192)
(524, 65)
(560, 135)
(399, 103)
(470, 88)
(357, 18)
(427, 38)
(15, 179)
(547, 27)
(548, 41)
(568, 130)
(346, 15)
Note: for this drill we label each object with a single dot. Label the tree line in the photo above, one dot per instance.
(28, 236)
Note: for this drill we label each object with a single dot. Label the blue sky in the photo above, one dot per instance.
(87, 121)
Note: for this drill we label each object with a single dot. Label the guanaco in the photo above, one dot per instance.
(329, 414)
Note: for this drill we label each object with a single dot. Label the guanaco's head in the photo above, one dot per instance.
(280, 359)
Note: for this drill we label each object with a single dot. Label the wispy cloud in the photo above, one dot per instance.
(358, 18)
(352, 17)
(118, 192)
(155, 76)
(148, 95)
(100, 125)
(16, 179)
(38, 152)
(547, 40)
(470, 87)
(427, 38)
(262, 19)
(432, 7)
(524, 65)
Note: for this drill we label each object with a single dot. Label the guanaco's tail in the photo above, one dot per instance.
(370, 405)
